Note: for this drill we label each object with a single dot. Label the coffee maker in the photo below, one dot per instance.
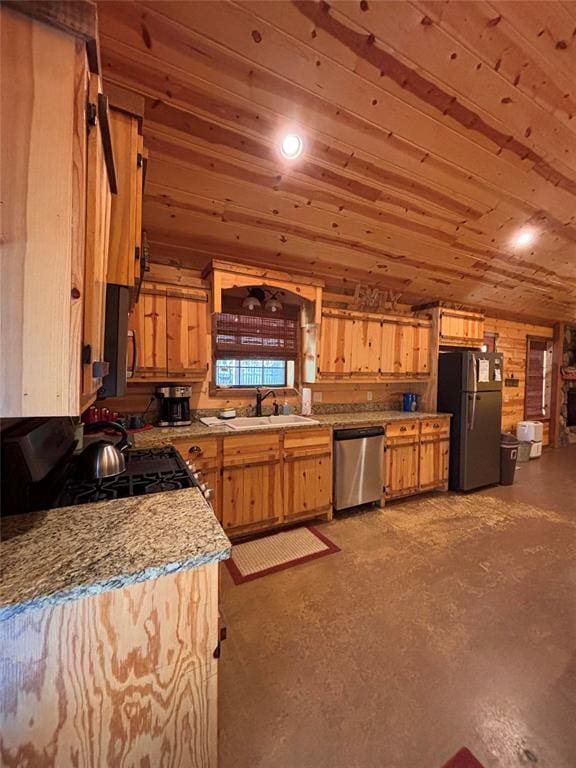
(174, 406)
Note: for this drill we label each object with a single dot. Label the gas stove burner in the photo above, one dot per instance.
(163, 485)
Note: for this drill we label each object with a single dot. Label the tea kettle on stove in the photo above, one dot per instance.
(102, 458)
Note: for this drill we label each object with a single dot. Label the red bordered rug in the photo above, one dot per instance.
(270, 554)
(463, 759)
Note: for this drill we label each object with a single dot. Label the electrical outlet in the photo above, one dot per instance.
(369, 396)
(317, 397)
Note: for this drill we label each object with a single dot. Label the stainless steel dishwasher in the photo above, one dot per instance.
(358, 466)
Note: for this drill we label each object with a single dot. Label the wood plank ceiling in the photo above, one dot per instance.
(434, 132)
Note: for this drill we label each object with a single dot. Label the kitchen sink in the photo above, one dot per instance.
(268, 422)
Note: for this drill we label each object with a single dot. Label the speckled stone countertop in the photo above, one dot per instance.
(166, 435)
(68, 553)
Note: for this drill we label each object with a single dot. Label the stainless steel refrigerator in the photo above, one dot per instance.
(470, 388)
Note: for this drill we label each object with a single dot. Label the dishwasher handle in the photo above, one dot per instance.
(359, 433)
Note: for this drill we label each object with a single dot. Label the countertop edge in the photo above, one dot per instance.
(108, 585)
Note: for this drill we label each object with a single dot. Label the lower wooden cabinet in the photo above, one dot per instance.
(251, 496)
(401, 458)
(417, 456)
(124, 677)
(307, 473)
(434, 453)
(203, 454)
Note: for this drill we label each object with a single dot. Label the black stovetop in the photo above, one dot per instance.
(147, 471)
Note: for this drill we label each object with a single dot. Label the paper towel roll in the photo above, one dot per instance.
(306, 401)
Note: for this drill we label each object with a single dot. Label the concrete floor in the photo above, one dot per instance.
(445, 621)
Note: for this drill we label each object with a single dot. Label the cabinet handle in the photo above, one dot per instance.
(132, 371)
(195, 449)
(402, 429)
(436, 426)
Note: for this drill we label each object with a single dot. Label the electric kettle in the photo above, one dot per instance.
(103, 459)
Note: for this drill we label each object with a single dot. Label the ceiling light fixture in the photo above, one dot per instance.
(524, 238)
(291, 146)
(254, 299)
(273, 304)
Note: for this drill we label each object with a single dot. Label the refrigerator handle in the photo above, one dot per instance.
(471, 416)
(474, 373)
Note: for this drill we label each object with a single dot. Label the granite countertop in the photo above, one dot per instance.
(69, 553)
(165, 435)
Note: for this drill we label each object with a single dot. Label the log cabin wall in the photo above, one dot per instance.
(512, 342)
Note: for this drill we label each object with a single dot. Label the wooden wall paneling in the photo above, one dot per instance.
(511, 343)
(429, 400)
(42, 74)
(113, 679)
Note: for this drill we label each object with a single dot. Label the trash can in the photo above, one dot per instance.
(508, 455)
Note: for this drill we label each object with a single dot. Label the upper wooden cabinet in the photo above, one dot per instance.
(459, 328)
(171, 333)
(43, 88)
(355, 345)
(126, 214)
(100, 182)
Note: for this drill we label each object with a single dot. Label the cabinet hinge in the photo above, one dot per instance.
(91, 114)
(86, 354)
(137, 253)
(139, 160)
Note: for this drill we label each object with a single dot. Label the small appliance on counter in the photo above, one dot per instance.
(174, 406)
(531, 432)
(40, 470)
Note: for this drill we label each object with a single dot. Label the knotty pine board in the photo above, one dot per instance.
(512, 342)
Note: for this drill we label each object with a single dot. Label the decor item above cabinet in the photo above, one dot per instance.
(361, 346)
(170, 334)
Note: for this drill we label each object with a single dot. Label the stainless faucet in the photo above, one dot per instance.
(260, 399)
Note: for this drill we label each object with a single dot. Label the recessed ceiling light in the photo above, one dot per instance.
(292, 146)
(525, 237)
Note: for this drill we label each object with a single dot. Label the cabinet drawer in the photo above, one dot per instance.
(439, 426)
(310, 442)
(201, 451)
(250, 449)
(402, 428)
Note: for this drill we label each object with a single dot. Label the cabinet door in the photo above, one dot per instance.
(307, 486)
(366, 347)
(251, 496)
(124, 211)
(98, 204)
(43, 187)
(187, 335)
(401, 459)
(336, 338)
(434, 460)
(148, 324)
(460, 328)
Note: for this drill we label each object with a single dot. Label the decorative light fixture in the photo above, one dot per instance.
(273, 304)
(254, 299)
(291, 146)
(524, 237)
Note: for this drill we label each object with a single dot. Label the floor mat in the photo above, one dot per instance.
(270, 554)
(463, 759)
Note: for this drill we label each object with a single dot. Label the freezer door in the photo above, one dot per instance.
(479, 449)
(482, 371)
